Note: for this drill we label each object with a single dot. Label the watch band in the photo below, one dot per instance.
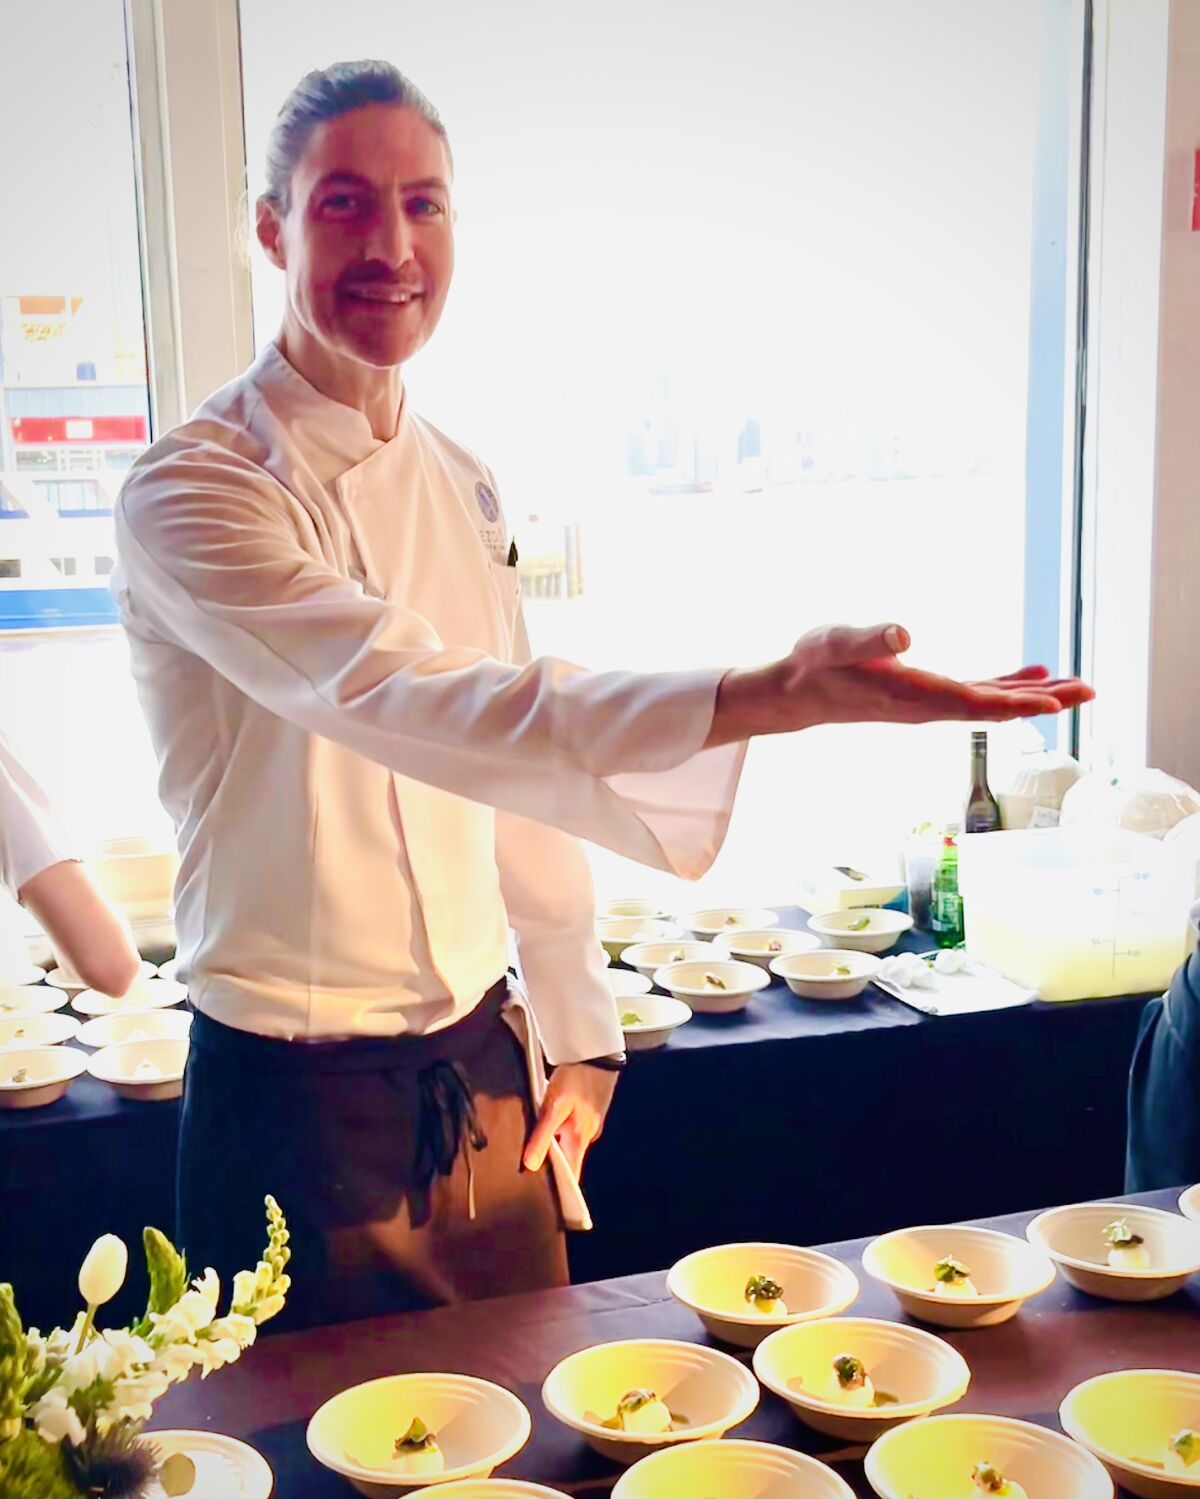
(614, 1062)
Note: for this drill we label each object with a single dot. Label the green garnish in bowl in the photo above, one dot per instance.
(417, 1438)
(630, 1017)
(860, 925)
(1186, 1445)
(760, 1288)
(988, 1478)
(1121, 1236)
(851, 1372)
(950, 1271)
(842, 971)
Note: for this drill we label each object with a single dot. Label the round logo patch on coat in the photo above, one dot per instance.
(487, 503)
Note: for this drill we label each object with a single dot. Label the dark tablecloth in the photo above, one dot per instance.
(1023, 1368)
(797, 1120)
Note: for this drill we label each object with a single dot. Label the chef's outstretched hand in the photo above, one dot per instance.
(573, 1111)
(842, 675)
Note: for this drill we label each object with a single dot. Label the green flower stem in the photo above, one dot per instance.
(86, 1331)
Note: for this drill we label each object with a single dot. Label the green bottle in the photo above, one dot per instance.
(945, 906)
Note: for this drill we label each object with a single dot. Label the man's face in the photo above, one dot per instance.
(367, 241)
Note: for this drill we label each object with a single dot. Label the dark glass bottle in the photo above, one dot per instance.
(983, 811)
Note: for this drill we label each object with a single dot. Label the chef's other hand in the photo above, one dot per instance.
(842, 675)
(573, 1110)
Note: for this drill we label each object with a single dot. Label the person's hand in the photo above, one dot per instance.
(573, 1111)
(843, 675)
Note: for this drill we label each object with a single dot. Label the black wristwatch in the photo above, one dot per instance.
(614, 1062)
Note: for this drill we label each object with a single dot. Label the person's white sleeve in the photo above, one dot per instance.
(30, 836)
(211, 559)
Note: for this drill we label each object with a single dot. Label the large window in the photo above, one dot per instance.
(74, 410)
(752, 304)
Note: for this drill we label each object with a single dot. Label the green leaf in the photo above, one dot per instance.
(168, 1276)
(33, 1469)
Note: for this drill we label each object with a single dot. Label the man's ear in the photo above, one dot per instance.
(268, 225)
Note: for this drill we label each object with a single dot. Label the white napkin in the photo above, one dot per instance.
(975, 989)
(520, 1021)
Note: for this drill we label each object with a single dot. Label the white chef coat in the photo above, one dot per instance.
(30, 836)
(368, 781)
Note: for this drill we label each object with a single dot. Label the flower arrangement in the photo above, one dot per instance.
(72, 1403)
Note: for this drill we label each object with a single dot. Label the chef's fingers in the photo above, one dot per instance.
(554, 1113)
(834, 646)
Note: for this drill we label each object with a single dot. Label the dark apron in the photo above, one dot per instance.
(1164, 1089)
(396, 1161)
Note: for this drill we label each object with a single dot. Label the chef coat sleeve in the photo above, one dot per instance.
(213, 558)
(30, 837)
(547, 886)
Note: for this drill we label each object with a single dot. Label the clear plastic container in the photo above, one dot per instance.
(1076, 913)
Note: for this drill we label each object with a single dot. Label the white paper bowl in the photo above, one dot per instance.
(1073, 1237)
(117, 1066)
(143, 1025)
(17, 974)
(50, 1029)
(619, 932)
(29, 999)
(934, 1458)
(685, 981)
(649, 957)
(1189, 1203)
(142, 994)
(137, 875)
(884, 929)
(658, 1016)
(1005, 1270)
(615, 910)
(626, 985)
(734, 1469)
(478, 1425)
(711, 1389)
(488, 1488)
(64, 978)
(724, 920)
(51, 1071)
(225, 1467)
(712, 1283)
(923, 1373)
(1126, 1419)
(754, 945)
(813, 975)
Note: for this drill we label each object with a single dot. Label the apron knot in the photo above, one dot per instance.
(447, 1123)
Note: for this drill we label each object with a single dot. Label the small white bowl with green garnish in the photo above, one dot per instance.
(715, 986)
(956, 1275)
(857, 1377)
(722, 920)
(37, 1075)
(745, 1292)
(649, 957)
(1143, 1425)
(764, 944)
(872, 929)
(615, 910)
(630, 1398)
(616, 933)
(50, 1029)
(647, 1020)
(1121, 1251)
(941, 1455)
(392, 1435)
(733, 1467)
(625, 985)
(831, 973)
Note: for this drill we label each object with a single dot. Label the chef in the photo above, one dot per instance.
(372, 782)
(40, 868)
(1164, 1084)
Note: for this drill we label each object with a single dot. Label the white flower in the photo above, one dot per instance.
(128, 1351)
(209, 1286)
(267, 1309)
(35, 1352)
(99, 1360)
(180, 1324)
(102, 1273)
(237, 1327)
(176, 1361)
(55, 1419)
(133, 1399)
(244, 1283)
